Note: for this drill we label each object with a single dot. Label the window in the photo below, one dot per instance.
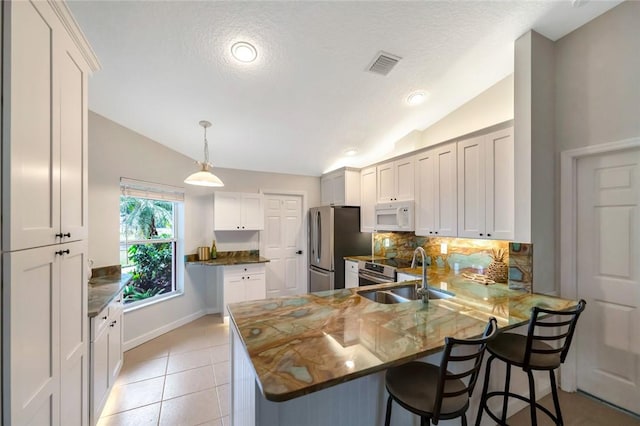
(149, 238)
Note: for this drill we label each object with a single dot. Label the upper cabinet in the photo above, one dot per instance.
(395, 180)
(340, 188)
(368, 197)
(486, 186)
(436, 192)
(234, 211)
(44, 149)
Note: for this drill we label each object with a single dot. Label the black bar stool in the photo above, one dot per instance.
(433, 392)
(532, 352)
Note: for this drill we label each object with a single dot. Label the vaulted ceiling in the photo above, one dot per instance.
(308, 97)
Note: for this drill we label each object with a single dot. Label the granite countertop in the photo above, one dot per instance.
(302, 344)
(367, 258)
(229, 260)
(102, 290)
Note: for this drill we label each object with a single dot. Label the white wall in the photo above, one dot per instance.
(114, 152)
(493, 106)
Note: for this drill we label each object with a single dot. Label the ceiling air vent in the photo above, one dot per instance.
(383, 63)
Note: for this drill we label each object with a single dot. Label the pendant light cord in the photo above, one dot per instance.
(206, 147)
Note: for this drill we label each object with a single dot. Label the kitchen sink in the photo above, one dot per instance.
(401, 295)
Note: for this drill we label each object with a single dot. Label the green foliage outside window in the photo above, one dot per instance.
(151, 263)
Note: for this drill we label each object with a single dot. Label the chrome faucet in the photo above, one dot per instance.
(422, 291)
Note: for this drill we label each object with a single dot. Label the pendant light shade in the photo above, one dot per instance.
(204, 177)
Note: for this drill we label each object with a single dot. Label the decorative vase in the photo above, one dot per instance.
(497, 270)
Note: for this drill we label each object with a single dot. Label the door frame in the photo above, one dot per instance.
(568, 234)
(302, 287)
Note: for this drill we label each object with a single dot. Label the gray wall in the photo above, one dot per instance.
(598, 80)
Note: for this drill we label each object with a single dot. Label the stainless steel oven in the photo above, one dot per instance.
(370, 273)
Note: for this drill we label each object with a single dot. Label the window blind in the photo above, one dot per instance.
(150, 190)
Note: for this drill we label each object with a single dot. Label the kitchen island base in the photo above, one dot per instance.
(359, 402)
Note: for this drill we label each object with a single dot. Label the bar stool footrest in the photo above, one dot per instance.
(513, 395)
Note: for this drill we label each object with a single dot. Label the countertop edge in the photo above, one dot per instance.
(124, 280)
(229, 261)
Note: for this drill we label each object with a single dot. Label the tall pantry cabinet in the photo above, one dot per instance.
(45, 66)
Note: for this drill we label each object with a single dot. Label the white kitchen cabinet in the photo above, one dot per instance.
(340, 188)
(46, 62)
(45, 159)
(368, 199)
(106, 355)
(234, 211)
(395, 180)
(350, 274)
(402, 277)
(436, 192)
(47, 324)
(241, 283)
(485, 186)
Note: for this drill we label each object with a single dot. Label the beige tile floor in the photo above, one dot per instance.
(182, 378)
(179, 378)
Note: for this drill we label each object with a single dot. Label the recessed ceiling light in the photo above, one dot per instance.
(244, 52)
(416, 98)
(350, 152)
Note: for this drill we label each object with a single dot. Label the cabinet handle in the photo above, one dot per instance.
(104, 318)
(62, 252)
(243, 227)
(488, 235)
(481, 234)
(237, 227)
(61, 235)
(113, 323)
(436, 232)
(243, 278)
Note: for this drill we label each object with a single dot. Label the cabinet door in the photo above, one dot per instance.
(350, 274)
(227, 211)
(233, 291)
(31, 336)
(115, 345)
(31, 156)
(252, 212)
(404, 179)
(74, 335)
(425, 190)
(500, 185)
(386, 180)
(338, 184)
(99, 374)
(368, 199)
(446, 191)
(255, 287)
(471, 188)
(73, 144)
(326, 190)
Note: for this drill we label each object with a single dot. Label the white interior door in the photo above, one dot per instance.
(608, 271)
(283, 243)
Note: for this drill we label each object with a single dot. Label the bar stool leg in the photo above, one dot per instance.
(506, 394)
(532, 396)
(485, 387)
(387, 419)
(556, 401)
(464, 419)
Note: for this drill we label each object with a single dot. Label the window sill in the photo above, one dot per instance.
(140, 304)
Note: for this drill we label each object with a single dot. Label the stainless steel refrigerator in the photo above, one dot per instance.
(334, 232)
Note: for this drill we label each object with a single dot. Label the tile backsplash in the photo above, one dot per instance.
(461, 254)
(443, 252)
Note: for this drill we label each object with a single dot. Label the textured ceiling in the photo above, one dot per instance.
(308, 97)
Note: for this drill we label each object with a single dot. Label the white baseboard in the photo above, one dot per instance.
(130, 344)
(209, 311)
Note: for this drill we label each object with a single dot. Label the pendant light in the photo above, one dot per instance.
(204, 177)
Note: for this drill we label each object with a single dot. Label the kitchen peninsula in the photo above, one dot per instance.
(319, 359)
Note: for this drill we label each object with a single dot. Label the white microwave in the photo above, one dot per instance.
(395, 216)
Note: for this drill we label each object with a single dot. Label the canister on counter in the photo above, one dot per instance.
(204, 253)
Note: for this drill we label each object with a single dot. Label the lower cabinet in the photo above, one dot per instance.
(106, 355)
(350, 274)
(241, 283)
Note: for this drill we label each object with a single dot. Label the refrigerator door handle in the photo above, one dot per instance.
(318, 235)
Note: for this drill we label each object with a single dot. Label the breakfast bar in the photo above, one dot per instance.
(320, 358)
